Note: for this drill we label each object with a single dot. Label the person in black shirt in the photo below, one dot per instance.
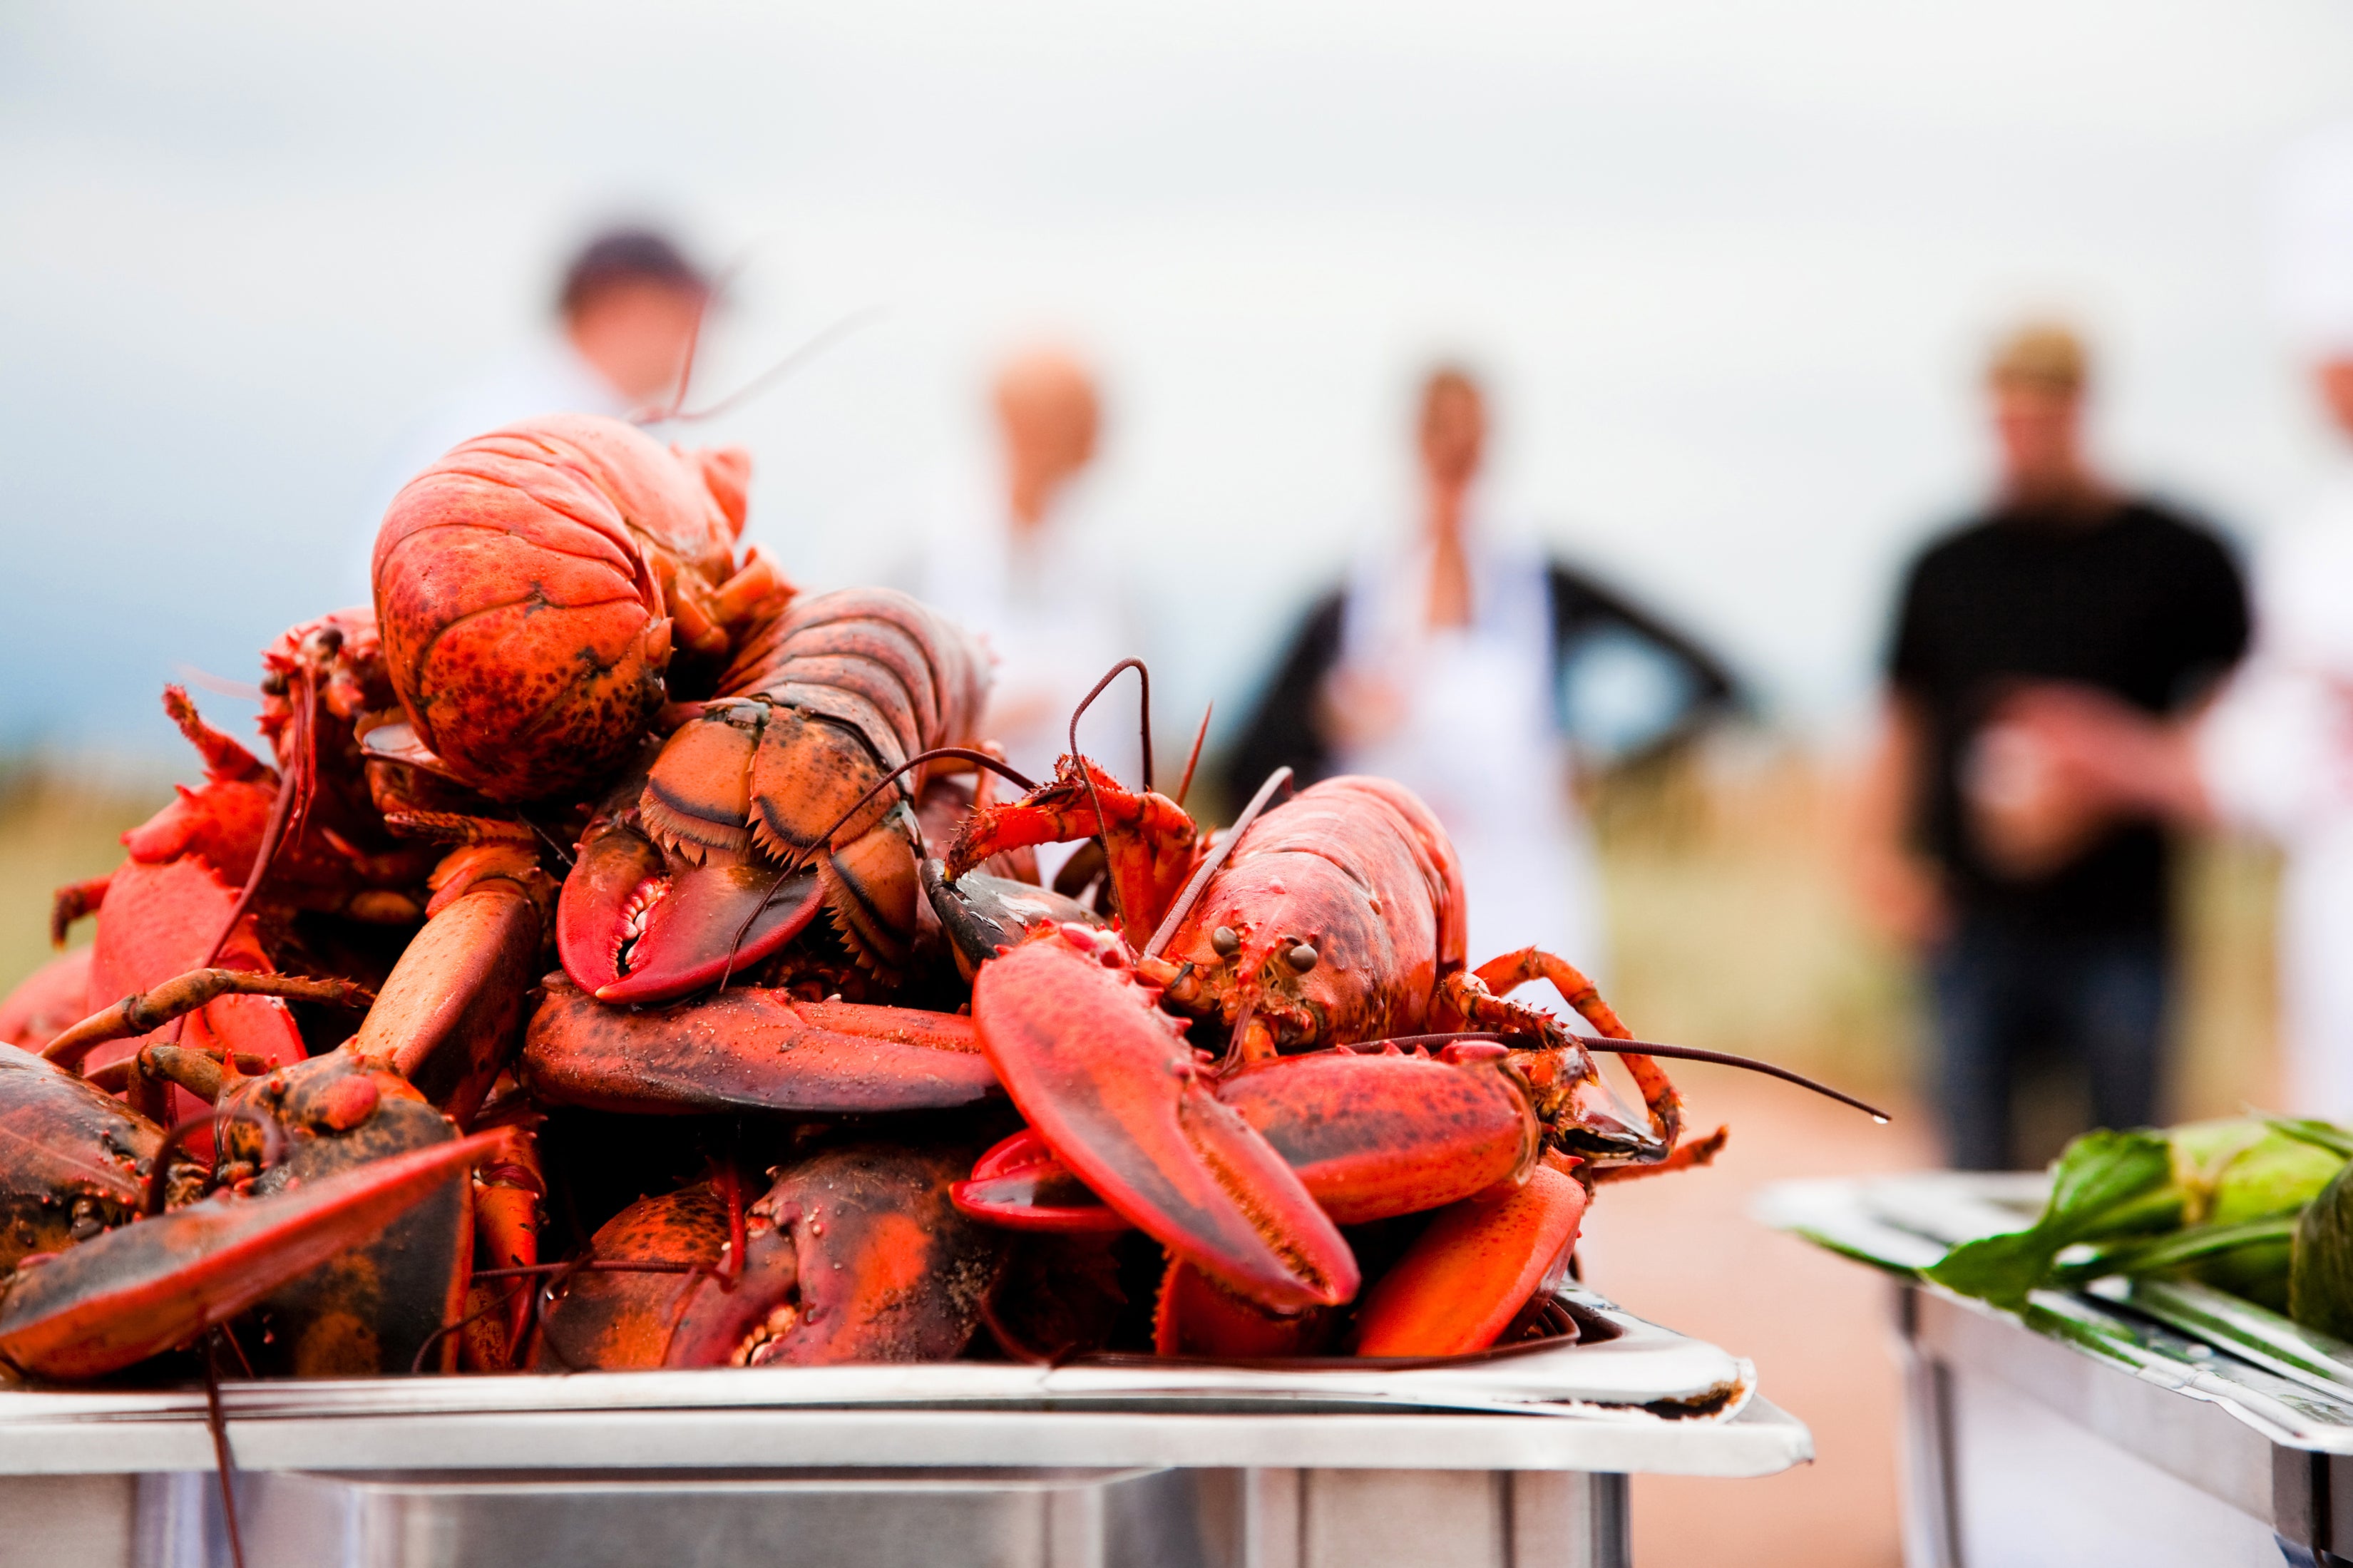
(2045, 915)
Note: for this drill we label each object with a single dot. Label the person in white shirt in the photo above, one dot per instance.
(1480, 674)
(1023, 562)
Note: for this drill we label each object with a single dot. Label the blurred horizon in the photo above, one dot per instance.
(1730, 273)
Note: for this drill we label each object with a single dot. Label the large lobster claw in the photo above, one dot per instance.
(1109, 1081)
(750, 1049)
(854, 1255)
(142, 1290)
(634, 927)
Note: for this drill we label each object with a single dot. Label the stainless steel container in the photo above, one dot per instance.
(1520, 1463)
(2150, 1424)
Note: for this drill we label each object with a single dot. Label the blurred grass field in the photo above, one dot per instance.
(58, 825)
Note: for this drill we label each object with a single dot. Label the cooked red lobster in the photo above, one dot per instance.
(1330, 921)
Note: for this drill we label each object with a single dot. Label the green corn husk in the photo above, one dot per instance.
(2212, 1200)
(2320, 1282)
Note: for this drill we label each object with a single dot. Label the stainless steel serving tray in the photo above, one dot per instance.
(1646, 1399)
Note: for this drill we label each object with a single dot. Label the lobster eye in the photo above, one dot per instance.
(1301, 958)
(1224, 941)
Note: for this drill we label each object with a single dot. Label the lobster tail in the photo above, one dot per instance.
(529, 587)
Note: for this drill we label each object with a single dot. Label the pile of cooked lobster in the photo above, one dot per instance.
(625, 961)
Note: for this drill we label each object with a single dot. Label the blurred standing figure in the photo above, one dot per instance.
(2275, 753)
(2045, 915)
(628, 310)
(1023, 563)
(1458, 667)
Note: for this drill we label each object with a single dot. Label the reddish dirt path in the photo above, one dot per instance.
(1683, 1250)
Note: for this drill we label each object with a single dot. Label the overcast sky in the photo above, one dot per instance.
(1730, 266)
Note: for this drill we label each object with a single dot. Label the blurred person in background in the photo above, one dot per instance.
(1482, 675)
(1020, 560)
(627, 311)
(2044, 915)
(2275, 754)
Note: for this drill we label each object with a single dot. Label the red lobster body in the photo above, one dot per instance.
(532, 586)
(1356, 869)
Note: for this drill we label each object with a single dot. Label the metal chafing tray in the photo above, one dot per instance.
(1520, 1460)
(2139, 1421)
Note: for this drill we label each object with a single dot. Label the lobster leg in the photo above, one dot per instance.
(508, 1212)
(1479, 1000)
(750, 1049)
(1465, 1279)
(149, 1287)
(1150, 844)
(144, 1012)
(1109, 1082)
(72, 901)
(450, 1010)
(1689, 1155)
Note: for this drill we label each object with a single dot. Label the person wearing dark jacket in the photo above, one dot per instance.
(1477, 673)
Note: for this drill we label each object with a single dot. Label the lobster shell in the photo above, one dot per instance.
(527, 585)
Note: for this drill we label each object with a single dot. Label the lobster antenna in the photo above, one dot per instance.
(719, 286)
(710, 297)
(1193, 758)
(224, 1464)
(1209, 868)
(1094, 795)
(1143, 710)
(219, 685)
(1646, 1048)
(840, 327)
(982, 759)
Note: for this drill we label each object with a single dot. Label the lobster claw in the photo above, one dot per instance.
(1110, 1083)
(1464, 1278)
(155, 1284)
(632, 927)
(1020, 1184)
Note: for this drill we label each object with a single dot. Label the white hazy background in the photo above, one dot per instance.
(1729, 266)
